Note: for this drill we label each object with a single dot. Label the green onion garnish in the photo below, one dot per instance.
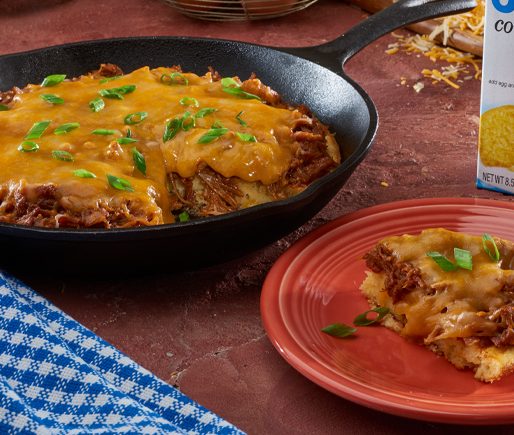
(230, 86)
(364, 320)
(37, 130)
(442, 261)
(188, 122)
(66, 128)
(129, 132)
(488, 240)
(119, 183)
(229, 82)
(117, 93)
(125, 140)
(184, 217)
(339, 330)
(204, 112)
(65, 156)
(212, 134)
(3, 107)
(135, 118)
(463, 258)
(126, 89)
(238, 117)
(28, 147)
(217, 124)
(108, 93)
(174, 79)
(52, 99)
(97, 104)
(109, 79)
(173, 126)
(83, 173)
(53, 80)
(139, 160)
(245, 137)
(104, 131)
(189, 101)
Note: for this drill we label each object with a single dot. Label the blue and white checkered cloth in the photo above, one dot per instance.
(56, 376)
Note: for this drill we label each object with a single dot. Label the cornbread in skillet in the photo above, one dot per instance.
(154, 146)
(465, 315)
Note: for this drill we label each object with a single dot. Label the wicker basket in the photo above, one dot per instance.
(238, 10)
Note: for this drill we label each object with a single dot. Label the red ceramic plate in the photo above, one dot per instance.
(316, 283)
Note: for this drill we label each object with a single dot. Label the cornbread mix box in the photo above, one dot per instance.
(496, 138)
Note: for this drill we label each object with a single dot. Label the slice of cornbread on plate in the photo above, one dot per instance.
(450, 291)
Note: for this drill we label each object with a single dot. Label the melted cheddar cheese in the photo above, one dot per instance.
(263, 160)
(450, 305)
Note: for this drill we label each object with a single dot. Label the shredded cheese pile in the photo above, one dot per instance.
(472, 21)
(459, 63)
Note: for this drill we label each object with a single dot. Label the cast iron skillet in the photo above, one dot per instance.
(312, 76)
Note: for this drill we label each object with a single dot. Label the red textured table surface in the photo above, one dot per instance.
(201, 330)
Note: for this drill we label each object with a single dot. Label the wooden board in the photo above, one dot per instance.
(460, 39)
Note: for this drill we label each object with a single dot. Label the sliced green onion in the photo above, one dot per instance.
(125, 140)
(189, 101)
(139, 160)
(240, 93)
(28, 147)
(66, 128)
(83, 173)
(126, 89)
(230, 86)
(217, 124)
(65, 156)
(135, 118)
(175, 78)
(52, 99)
(53, 80)
(129, 132)
(229, 82)
(37, 130)
(204, 112)
(97, 104)
(104, 131)
(117, 93)
(184, 217)
(3, 107)
(339, 330)
(238, 117)
(364, 320)
(212, 134)
(119, 183)
(442, 261)
(109, 79)
(463, 258)
(245, 137)
(488, 240)
(109, 93)
(173, 126)
(188, 122)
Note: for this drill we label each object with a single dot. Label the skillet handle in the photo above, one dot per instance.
(397, 15)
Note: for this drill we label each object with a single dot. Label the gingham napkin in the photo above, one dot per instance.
(56, 376)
